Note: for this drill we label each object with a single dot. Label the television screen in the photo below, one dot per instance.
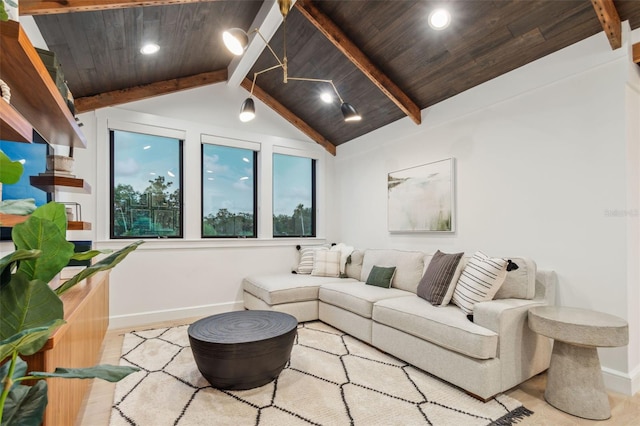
(33, 157)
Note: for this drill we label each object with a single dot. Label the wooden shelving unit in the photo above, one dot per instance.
(36, 106)
(34, 95)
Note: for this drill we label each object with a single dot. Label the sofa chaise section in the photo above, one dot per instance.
(294, 294)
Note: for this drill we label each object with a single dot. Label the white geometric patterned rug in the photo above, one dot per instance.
(331, 379)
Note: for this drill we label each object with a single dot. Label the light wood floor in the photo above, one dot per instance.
(625, 409)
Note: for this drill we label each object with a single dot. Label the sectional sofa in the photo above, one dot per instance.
(484, 354)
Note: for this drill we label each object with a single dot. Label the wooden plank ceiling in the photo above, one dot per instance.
(382, 55)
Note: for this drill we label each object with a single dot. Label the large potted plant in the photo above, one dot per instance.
(32, 310)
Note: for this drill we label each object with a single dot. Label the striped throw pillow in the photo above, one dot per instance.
(326, 263)
(480, 280)
(305, 266)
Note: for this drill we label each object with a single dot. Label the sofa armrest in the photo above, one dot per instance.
(522, 352)
(496, 315)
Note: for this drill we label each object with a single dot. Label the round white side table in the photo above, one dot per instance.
(574, 379)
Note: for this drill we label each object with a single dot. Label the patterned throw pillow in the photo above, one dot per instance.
(439, 280)
(480, 280)
(305, 266)
(326, 264)
(381, 276)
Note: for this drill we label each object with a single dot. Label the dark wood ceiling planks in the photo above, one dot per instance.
(100, 50)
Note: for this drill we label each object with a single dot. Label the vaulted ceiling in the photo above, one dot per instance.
(382, 56)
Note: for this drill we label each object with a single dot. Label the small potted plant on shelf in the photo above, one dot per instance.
(32, 310)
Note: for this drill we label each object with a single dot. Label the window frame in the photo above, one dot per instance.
(145, 130)
(251, 146)
(314, 165)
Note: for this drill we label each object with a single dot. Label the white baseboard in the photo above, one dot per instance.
(624, 383)
(146, 318)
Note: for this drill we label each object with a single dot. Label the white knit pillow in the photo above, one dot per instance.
(305, 266)
(326, 264)
(480, 280)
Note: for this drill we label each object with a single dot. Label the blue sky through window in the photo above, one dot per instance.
(227, 179)
(139, 158)
(291, 183)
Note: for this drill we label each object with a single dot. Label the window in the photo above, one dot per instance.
(229, 207)
(146, 186)
(294, 196)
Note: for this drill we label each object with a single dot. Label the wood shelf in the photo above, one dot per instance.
(33, 93)
(78, 226)
(61, 183)
(11, 220)
(13, 126)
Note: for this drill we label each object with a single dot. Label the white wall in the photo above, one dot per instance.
(542, 171)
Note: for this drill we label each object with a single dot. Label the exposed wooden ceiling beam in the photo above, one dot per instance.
(610, 21)
(339, 39)
(267, 21)
(636, 53)
(289, 116)
(144, 91)
(48, 7)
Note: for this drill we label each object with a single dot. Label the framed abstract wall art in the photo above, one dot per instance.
(421, 198)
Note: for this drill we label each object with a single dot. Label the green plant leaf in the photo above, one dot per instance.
(20, 370)
(90, 254)
(103, 265)
(45, 235)
(7, 262)
(29, 341)
(110, 373)
(10, 171)
(25, 405)
(55, 212)
(27, 304)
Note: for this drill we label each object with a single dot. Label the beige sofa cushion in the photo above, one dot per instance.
(287, 288)
(519, 283)
(356, 296)
(446, 326)
(409, 266)
(354, 267)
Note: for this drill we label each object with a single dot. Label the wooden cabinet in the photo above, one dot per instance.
(75, 344)
(36, 106)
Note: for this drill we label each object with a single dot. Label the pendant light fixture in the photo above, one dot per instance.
(237, 40)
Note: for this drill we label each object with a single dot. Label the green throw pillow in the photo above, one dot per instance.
(381, 276)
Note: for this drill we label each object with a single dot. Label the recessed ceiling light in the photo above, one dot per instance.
(326, 97)
(146, 147)
(149, 49)
(439, 19)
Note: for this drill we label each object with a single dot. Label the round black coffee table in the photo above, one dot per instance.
(242, 349)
